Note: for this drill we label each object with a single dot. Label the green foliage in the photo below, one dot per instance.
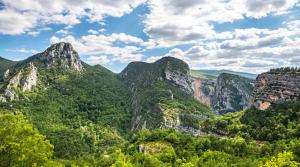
(282, 160)
(202, 74)
(164, 147)
(282, 121)
(81, 114)
(4, 65)
(285, 70)
(189, 111)
(21, 144)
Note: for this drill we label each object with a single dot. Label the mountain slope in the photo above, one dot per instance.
(4, 65)
(162, 95)
(213, 74)
(227, 93)
(83, 110)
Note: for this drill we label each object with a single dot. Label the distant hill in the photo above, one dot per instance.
(213, 74)
(5, 64)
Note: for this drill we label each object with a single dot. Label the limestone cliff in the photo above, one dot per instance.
(274, 88)
(139, 75)
(158, 92)
(24, 75)
(61, 55)
(228, 93)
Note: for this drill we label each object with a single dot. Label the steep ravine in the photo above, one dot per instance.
(228, 93)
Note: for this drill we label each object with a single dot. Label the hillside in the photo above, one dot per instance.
(4, 65)
(213, 74)
(226, 93)
(162, 95)
(56, 110)
(91, 106)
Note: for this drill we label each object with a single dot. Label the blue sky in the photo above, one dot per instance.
(241, 35)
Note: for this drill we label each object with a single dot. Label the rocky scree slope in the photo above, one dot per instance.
(276, 88)
(228, 93)
(162, 95)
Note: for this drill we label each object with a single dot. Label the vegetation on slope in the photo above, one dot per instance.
(284, 70)
(169, 104)
(213, 74)
(21, 144)
(80, 113)
(158, 101)
(281, 121)
(4, 65)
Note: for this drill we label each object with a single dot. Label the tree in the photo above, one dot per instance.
(21, 144)
(282, 160)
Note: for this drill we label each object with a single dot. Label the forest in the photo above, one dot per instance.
(248, 138)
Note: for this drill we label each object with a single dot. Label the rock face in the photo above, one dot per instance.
(141, 78)
(229, 93)
(274, 88)
(30, 80)
(139, 75)
(24, 75)
(61, 55)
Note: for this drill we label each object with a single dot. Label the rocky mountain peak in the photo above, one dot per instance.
(140, 74)
(61, 55)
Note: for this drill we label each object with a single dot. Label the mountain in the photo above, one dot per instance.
(213, 74)
(4, 65)
(93, 107)
(276, 87)
(56, 110)
(227, 93)
(162, 95)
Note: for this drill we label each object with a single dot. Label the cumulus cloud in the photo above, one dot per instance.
(103, 46)
(173, 22)
(20, 16)
(98, 60)
(249, 50)
(23, 50)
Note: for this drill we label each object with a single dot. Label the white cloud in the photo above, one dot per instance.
(33, 33)
(103, 45)
(63, 32)
(173, 22)
(94, 32)
(98, 60)
(249, 50)
(13, 23)
(23, 50)
(20, 16)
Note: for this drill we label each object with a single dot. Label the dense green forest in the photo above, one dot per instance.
(248, 138)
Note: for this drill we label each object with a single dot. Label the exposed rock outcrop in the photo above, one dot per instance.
(31, 79)
(228, 93)
(2, 99)
(274, 88)
(62, 56)
(24, 75)
(25, 78)
(138, 75)
(6, 75)
(141, 78)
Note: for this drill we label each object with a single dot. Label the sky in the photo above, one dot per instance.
(241, 35)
